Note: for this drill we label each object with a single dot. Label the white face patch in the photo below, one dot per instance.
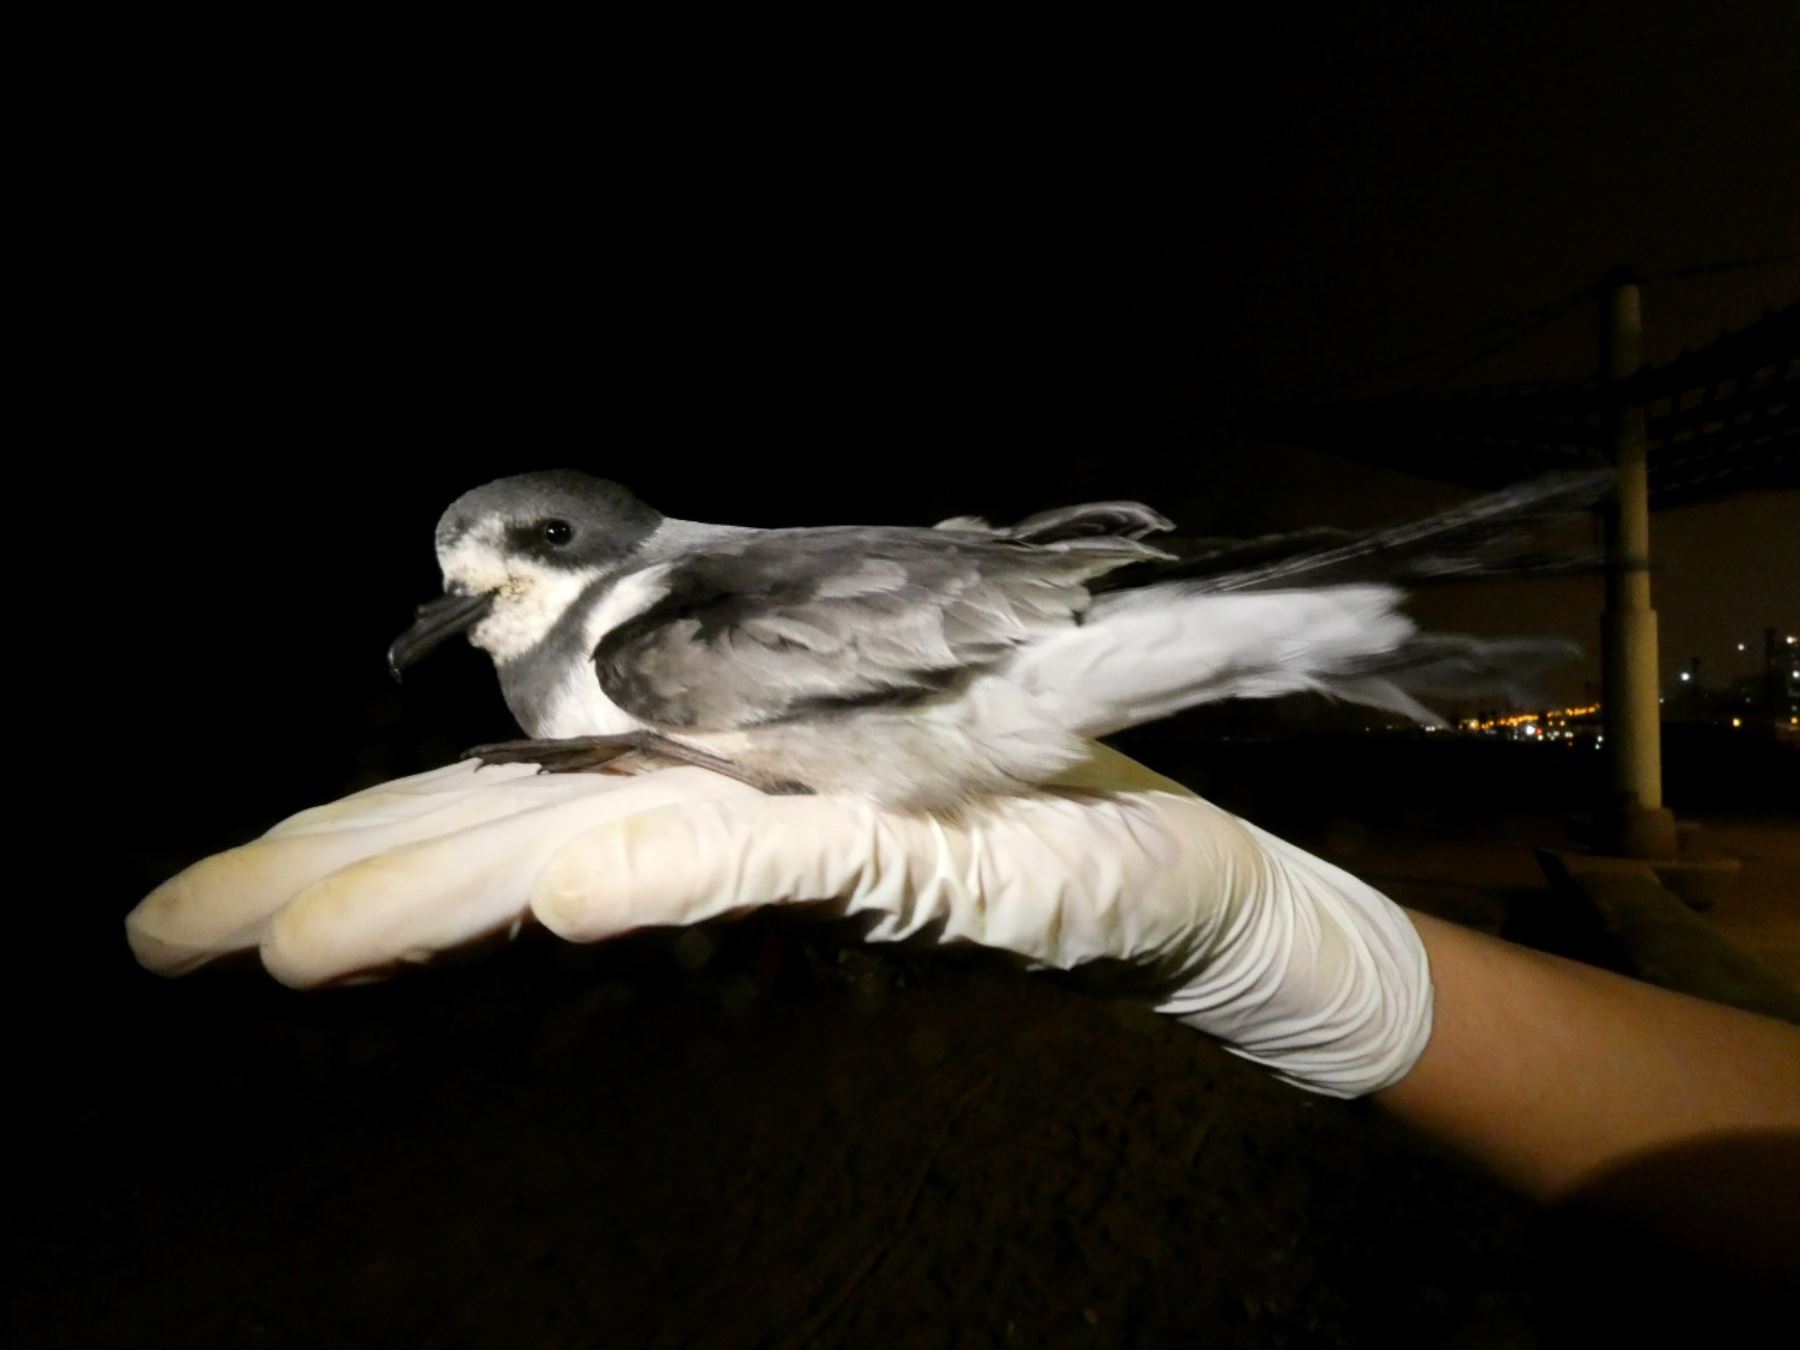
(528, 596)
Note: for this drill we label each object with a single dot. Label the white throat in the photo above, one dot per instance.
(529, 597)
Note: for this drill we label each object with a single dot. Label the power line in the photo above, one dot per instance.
(1515, 328)
(1526, 323)
(1714, 269)
(1549, 316)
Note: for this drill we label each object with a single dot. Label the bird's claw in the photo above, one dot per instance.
(566, 756)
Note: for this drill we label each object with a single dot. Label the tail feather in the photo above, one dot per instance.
(1147, 654)
(1451, 666)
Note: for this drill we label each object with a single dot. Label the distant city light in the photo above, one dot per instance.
(1737, 721)
(1685, 676)
(1740, 646)
(1555, 716)
(1531, 731)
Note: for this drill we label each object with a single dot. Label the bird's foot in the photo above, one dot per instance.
(577, 754)
(591, 754)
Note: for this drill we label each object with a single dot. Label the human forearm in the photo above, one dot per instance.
(1550, 1071)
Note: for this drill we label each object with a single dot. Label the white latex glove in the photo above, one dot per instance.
(1288, 960)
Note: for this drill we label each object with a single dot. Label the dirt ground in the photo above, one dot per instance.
(793, 1143)
(1761, 912)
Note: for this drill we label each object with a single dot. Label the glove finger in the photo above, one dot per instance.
(222, 904)
(407, 903)
(686, 863)
(403, 796)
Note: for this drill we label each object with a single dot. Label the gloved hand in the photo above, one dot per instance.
(1291, 962)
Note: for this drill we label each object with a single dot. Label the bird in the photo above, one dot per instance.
(927, 668)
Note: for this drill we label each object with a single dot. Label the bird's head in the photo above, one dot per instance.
(516, 553)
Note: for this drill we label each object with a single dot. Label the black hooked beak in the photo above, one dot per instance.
(438, 621)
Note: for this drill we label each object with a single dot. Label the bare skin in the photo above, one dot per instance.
(1552, 1073)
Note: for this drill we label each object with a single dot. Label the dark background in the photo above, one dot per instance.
(325, 307)
(300, 301)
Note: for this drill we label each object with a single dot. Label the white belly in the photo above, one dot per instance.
(580, 708)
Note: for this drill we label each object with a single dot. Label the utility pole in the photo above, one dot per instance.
(1633, 821)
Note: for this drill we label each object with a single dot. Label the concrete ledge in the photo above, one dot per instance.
(1624, 916)
(1700, 882)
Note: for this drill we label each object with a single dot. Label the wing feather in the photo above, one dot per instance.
(786, 623)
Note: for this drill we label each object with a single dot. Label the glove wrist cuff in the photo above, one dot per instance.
(1322, 979)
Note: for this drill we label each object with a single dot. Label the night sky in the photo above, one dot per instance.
(318, 309)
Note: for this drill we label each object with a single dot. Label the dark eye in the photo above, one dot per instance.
(556, 533)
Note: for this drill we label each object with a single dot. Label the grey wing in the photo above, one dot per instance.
(1122, 520)
(1482, 538)
(796, 623)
